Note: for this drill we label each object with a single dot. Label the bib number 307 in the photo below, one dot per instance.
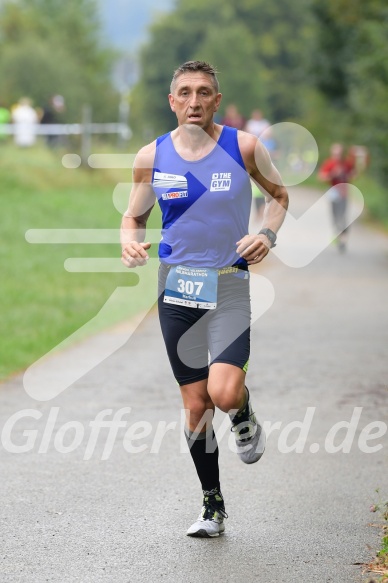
(193, 287)
(189, 287)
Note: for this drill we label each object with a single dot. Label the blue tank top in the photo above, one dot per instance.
(205, 203)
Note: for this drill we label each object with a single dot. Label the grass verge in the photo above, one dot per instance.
(379, 566)
(41, 303)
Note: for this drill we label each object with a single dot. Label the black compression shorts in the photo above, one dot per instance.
(191, 334)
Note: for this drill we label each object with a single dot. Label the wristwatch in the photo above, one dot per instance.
(271, 236)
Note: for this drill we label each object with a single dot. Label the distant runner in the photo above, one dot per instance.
(338, 170)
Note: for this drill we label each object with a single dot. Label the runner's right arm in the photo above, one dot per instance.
(141, 202)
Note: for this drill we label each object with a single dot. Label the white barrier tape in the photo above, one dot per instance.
(67, 129)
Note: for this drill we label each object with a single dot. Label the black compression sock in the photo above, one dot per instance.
(204, 451)
(243, 413)
(215, 497)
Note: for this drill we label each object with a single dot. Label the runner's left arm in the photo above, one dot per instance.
(259, 165)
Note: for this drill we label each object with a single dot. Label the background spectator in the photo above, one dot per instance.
(52, 114)
(256, 124)
(25, 119)
(233, 118)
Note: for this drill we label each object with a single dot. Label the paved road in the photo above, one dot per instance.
(320, 350)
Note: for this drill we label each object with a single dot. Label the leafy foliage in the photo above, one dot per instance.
(322, 64)
(258, 52)
(351, 69)
(49, 47)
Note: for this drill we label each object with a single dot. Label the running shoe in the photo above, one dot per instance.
(210, 522)
(250, 436)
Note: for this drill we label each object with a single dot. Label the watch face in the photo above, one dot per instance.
(270, 234)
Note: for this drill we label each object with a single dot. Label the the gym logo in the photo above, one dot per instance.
(221, 181)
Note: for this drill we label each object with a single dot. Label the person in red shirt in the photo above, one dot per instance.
(338, 170)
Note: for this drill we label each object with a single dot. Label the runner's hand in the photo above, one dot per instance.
(134, 254)
(253, 248)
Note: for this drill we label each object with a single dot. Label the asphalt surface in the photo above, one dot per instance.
(320, 350)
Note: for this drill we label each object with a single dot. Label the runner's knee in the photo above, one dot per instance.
(199, 410)
(229, 396)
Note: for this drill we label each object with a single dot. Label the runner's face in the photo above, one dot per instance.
(194, 99)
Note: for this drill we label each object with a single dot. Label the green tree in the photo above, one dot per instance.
(28, 68)
(50, 46)
(260, 55)
(283, 34)
(368, 86)
(240, 74)
(351, 71)
(333, 49)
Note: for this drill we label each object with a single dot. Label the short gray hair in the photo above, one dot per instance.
(193, 67)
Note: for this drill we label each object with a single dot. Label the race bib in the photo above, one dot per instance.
(193, 287)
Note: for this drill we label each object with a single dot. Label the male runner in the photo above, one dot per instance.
(200, 174)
